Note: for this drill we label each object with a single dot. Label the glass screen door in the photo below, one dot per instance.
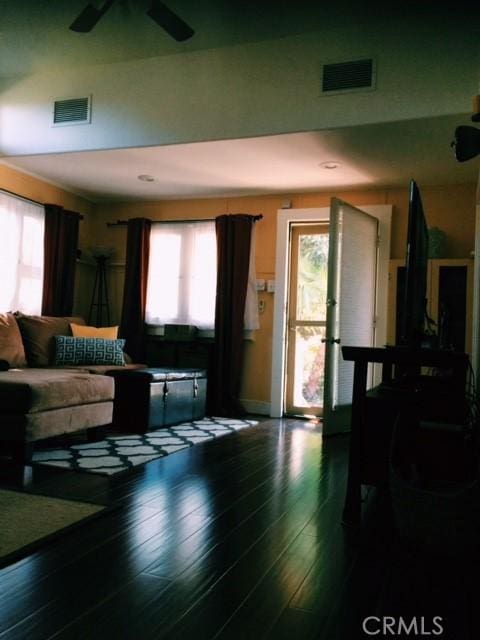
(306, 319)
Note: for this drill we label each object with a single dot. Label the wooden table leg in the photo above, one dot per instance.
(353, 499)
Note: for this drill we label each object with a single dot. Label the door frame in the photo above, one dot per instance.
(475, 346)
(319, 214)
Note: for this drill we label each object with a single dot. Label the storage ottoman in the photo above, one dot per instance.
(147, 399)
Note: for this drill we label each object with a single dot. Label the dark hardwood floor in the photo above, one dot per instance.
(238, 538)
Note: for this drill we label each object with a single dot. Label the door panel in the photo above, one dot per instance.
(352, 265)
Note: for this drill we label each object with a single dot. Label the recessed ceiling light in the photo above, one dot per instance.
(146, 178)
(330, 164)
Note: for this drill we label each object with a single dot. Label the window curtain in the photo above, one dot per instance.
(135, 287)
(251, 321)
(60, 249)
(21, 254)
(233, 260)
(182, 274)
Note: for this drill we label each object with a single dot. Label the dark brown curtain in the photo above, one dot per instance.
(233, 257)
(135, 287)
(60, 247)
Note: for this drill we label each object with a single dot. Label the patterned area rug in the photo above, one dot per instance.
(119, 453)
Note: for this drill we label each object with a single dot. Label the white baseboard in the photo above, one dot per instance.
(256, 406)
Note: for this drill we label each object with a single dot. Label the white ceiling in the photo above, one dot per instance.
(35, 37)
(369, 156)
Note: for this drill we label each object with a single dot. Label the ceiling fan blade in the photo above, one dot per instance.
(89, 17)
(173, 25)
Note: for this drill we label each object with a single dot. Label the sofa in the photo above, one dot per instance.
(44, 395)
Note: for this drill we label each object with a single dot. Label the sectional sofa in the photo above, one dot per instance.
(42, 395)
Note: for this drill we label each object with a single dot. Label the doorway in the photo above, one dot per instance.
(320, 215)
(306, 310)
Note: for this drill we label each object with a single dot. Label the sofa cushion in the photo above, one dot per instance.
(103, 369)
(45, 424)
(33, 390)
(38, 336)
(11, 344)
(73, 351)
(82, 331)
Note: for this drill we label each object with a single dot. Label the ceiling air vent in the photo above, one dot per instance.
(358, 75)
(72, 111)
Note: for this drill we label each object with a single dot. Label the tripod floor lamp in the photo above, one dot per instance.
(100, 305)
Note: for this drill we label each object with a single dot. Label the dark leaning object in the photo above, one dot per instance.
(147, 399)
(4, 365)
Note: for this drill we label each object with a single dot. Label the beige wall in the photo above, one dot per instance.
(451, 208)
(30, 187)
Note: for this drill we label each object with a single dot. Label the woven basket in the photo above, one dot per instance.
(443, 521)
(438, 517)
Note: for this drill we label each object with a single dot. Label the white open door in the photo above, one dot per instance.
(352, 267)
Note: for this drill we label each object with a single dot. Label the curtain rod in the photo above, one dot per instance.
(11, 193)
(121, 223)
(15, 195)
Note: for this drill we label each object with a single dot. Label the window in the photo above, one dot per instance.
(182, 274)
(21, 254)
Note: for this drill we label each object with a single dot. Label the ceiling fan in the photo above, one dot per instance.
(159, 12)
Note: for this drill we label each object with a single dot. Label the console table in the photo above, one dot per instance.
(455, 362)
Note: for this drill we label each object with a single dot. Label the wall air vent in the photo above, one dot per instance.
(72, 111)
(340, 77)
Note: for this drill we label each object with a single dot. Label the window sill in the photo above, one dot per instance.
(158, 331)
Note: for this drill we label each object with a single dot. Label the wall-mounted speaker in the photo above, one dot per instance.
(466, 144)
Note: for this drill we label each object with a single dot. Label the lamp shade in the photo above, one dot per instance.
(102, 252)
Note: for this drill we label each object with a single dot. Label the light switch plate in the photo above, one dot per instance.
(260, 285)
